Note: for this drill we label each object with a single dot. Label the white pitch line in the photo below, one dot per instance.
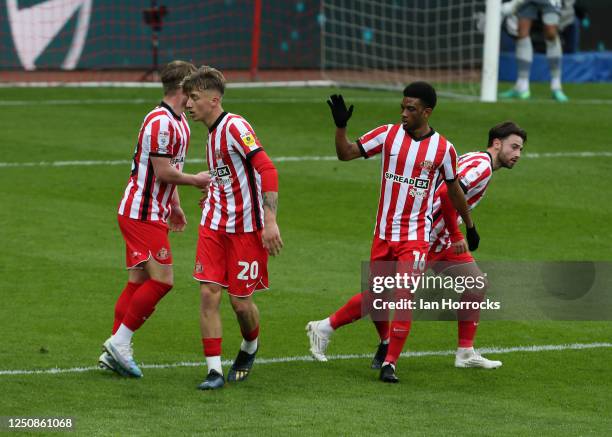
(266, 100)
(76, 102)
(123, 162)
(153, 101)
(125, 84)
(567, 155)
(307, 358)
(529, 155)
(61, 163)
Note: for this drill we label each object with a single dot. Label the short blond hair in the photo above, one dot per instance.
(204, 78)
(173, 73)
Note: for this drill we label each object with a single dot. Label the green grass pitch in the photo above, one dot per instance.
(61, 269)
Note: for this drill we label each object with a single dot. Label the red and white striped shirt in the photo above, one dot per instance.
(163, 133)
(474, 172)
(410, 169)
(234, 203)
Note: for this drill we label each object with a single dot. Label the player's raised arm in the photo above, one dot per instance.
(345, 149)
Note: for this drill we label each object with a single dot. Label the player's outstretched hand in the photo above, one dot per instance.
(177, 219)
(460, 247)
(271, 239)
(339, 112)
(473, 238)
(202, 180)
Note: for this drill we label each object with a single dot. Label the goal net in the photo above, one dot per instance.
(388, 43)
(376, 43)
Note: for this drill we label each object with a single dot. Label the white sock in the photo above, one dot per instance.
(465, 350)
(325, 327)
(522, 84)
(387, 362)
(214, 363)
(123, 335)
(554, 53)
(524, 58)
(249, 346)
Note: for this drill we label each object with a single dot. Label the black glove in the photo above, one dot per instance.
(472, 238)
(338, 108)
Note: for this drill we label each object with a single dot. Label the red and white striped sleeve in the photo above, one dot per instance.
(448, 167)
(244, 140)
(371, 143)
(158, 137)
(474, 180)
(476, 174)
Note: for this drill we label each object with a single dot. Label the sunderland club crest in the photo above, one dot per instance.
(163, 253)
(427, 165)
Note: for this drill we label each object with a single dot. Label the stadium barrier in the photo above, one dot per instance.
(577, 67)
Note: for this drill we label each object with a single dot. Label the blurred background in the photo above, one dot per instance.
(374, 42)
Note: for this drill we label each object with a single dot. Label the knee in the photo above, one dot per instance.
(523, 34)
(524, 28)
(242, 307)
(167, 278)
(550, 37)
(210, 296)
(165, 275)
(550, 33)
(137, 275)
(164, 279)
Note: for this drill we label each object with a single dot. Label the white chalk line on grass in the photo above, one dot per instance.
(140, 101)
(601, 154)
(123, 162)
(267, 100)
(52, 102)
(86, 163)
(307, 358)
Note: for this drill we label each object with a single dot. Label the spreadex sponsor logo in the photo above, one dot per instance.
(418, 186)
(221, 172)
(419, 183)
(222, 175)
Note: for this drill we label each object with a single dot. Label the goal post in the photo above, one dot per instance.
(490, 57)
(388, 43)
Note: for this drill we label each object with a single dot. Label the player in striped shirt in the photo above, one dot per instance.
(238, 228)
(150, 205)
(414, 156)
(448, 252)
